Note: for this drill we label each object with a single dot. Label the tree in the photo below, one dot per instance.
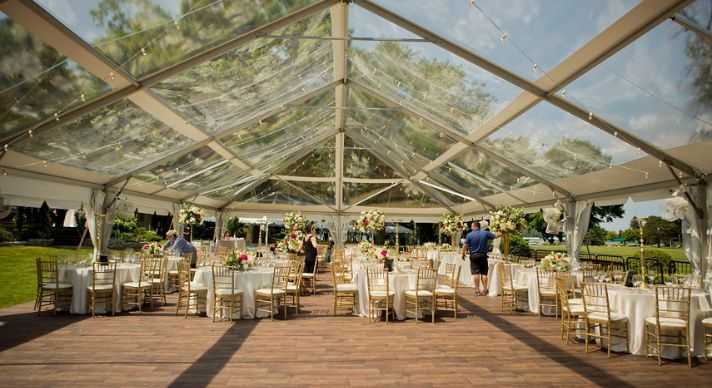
(700, 52)
(631, 234)
(659, 231)
(634, 223)
(595, 235)
(536, 222)
(601, 214)
(576, 157)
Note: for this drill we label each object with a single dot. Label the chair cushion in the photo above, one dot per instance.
(346, 287)
(577, 301)
(602, 317)
(101, 287)
(418, 293)
(291, 287)
(227, 291)
(707, 322)
(53, 286)
(269, 291)
(381, 293)
(308, 275)
(136, 285)
(173, 272)
(575, 309)
(444, 290)
(194, 287)
(517, 288)
(667, 322)
(547, 292)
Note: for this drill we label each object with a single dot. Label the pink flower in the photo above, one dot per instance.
(384, 253)
(365, 221)
(145, 247)
(293, 235)
(243, 257)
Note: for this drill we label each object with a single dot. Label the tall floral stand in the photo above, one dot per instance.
(506, 238)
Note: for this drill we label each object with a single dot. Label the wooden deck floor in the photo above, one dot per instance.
(482, 347)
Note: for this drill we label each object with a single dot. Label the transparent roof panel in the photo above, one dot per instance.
(222, 175)
(356, 191)
(276, 192)
(395, 135)
(318, 163)
(112, 140)
(517, 35)
(186, 167)
(403, 196)
(657, 87)
(359, 162)
(423, 76)
(36, 81)
(555, 144)
(230, 189)
(325, 192)
(480, 173)
(221, 93)
(143, 36)
(699, 11)
(285, 132)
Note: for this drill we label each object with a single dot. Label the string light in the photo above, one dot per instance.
(563, 92)
(645, 173)
(504, 36)
(6, 146)
(112, 76)
(4, 172)
(615, 133)
(660, 164)
(29, 132)
(44, 163)
(535, 67)
(143, 51)
(590, 116)
(177, 24)
(83, 97)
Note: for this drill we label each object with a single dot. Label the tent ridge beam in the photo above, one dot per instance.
(692, 25)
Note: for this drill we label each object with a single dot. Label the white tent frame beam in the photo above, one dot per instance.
(644, 17)
(453, 133)
(339, 29)
(28, 14)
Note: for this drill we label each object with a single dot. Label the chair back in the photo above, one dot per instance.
(563, 284)
(426, 280)
(545, 280)
(223, 278)
(595, 299)
(506, 277)
(151, 267)
(377, 278)
(184, 275)
(451, 275)
(103, 274)
(47, 272)
(673, 302)
(280, 278)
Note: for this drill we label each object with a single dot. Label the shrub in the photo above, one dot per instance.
(5, 235)
(518, 246)
(147, 235)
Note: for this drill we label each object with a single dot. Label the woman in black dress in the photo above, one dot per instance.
(309, 247)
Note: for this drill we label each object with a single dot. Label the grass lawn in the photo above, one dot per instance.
(675, 253)
(18, 279)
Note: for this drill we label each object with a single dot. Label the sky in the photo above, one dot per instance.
(637, 209)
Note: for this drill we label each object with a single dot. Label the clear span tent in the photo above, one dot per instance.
(332, 107)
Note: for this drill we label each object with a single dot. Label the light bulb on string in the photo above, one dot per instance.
(56, 116)
(563, 92)
(112, 76)
(590, 116)
(660, 164)
(44, 163)
(4, 172)
(504, 36)
(143, 51)
(615, 133)
(29, 132)
(83, 97)
(535, 67)
(5, 147)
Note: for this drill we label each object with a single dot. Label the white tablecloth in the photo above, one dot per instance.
(523, 277)
(454, 258)
(638, 304)
(247, 282)
(399, 282)
(81, 276)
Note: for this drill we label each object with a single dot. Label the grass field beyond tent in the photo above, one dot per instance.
(675, 253)
(18, 278)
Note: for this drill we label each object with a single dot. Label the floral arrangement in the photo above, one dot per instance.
(430, 245)
(365, 247)
(191, 215)
(371, 221)
(291, 242)
(153, 248)
(556, 262)
(452, 223)
(383, 254)
(446, 247)
(292, 219)
(508, 219)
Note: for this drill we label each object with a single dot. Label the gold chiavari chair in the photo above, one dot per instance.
(546, 287)
(154, 270)
(134, 293)
(101, 289)
(598, 315)
(189, 294)
(267, 298)
(446, 290)
(227, 298)
(294, 286)
(50, 291)
(380, 296)
(570, 312)
(672, 315)
(707, 327)
(511, 293)
(345, 292)
(617, 277)
(423, 296)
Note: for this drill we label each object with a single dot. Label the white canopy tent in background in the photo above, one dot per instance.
(331, 107)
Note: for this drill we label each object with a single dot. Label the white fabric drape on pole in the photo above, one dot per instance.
(578, 215)
(176, 219)
(696, 230)
(219, 225)
(91, 211)
(70, 219)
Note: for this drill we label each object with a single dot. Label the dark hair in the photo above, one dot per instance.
(477, 224)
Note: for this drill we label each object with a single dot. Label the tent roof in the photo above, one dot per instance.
(334, 107)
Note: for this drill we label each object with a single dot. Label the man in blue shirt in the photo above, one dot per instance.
(179, 246)
(476, 244)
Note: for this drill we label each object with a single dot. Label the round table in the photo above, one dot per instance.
(247, 282)
(452, 257)
(399, 282)
(637, 304)
(80, 276)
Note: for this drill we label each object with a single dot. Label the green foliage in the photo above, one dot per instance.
(144, 235)
(536, 223)
(5, 235)
(577, 156)
(601, 214)
(661, 256)
(124, 228)
(595, 235)
(233, 226)
(631, 234)
(518, 246)
(659, 231)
